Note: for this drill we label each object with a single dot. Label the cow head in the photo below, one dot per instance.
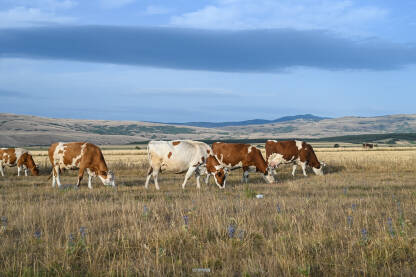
(217, 170)
(268, 175)
(31, 165)
(319, 171)
(107, 177)
(35, 171)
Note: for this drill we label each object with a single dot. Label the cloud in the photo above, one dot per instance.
(340, 16)
(111, 4)
(193, 49)
(156, 10)
(25, 17)
(43, 4)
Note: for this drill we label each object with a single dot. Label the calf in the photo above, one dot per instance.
(238, 155)
(183, 156)
(82, 156)
(293, 152)
(17, 157)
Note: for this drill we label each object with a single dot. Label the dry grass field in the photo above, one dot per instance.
(358, 219)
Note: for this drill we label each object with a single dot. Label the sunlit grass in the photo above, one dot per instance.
(359, 219)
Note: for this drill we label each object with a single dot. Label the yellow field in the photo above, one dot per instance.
(358, 219)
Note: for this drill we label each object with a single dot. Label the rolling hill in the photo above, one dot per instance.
(25, 130)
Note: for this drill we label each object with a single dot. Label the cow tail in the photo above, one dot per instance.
(148, 153)
(50, 175)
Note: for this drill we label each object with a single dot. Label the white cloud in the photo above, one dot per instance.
(156, 10)
(111, 4)
(49, 5)
(25, 17)
(338, 15)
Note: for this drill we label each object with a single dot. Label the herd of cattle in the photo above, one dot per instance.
(192, 157)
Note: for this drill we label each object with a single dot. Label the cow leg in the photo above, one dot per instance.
(294, 169)
(89, 181)
(198, 184)
(25, 168)
(149, 175)
(90, 175)
(155, 174)
(53, 177)
(207, 179)
(18, 170)
(57, 170)
(188, 174)
(80, 176)
(197, 175)
(1, 168)
(245, 175)
(303, 165)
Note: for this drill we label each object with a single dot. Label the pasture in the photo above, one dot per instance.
(358, 219)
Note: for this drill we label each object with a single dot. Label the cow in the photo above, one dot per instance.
(183, 156)
(293, 152)
(239, 155)
(368, 145)
(82, 156)
(17, 157)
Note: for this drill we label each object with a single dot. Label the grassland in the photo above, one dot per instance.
(358, 219)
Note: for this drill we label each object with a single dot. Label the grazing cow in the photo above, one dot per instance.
(246, 156)
(368, 145)
(183, 156)
(293, 152)
(82, 156)
(17, 157)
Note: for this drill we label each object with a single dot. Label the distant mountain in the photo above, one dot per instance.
(309, 117)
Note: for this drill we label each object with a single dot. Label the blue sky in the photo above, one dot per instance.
(221, 60)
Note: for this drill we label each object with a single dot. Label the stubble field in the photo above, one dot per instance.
(358, 219)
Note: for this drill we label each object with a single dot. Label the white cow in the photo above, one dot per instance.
(183, 156)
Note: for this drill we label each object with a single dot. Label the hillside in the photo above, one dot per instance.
(24, 130)
(21, 130)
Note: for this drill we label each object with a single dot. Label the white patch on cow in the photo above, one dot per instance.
(239, 165)
(275, 159)
(219, 159)
(58, 158)
(252, 168)
(299, 144)
(249, 148)
(19, 152)
(272, 140)
(77, 159)
(318, 171)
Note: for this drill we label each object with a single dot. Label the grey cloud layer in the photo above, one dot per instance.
(234, 51)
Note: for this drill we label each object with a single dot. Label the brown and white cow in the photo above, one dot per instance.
(82, 156)
(368, 145)
(183, 156)
(293, 152)
(17, 157)
(239, 155)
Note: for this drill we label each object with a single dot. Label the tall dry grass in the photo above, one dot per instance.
(359, 219)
